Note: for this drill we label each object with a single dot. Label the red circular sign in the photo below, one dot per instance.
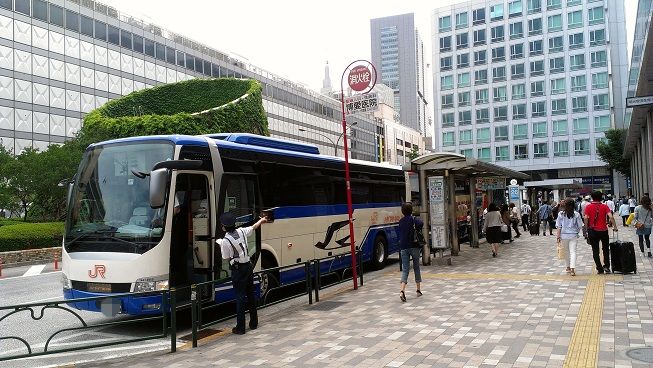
(360, 78)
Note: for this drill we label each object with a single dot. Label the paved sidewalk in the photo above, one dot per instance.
(517, 310)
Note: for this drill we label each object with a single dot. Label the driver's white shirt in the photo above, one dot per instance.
(239, 240)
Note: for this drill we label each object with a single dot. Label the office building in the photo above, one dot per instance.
(398, 55)
(531, 84)
(60, 59)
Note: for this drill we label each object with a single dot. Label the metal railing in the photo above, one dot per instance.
(201, 304)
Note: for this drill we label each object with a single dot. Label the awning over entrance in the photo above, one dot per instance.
(555, 184)
(460, 165)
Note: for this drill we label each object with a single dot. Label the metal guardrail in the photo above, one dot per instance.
(170, 306)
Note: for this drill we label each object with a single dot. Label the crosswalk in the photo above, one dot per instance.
(26, 271)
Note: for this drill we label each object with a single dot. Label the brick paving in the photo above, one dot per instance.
(517, 310)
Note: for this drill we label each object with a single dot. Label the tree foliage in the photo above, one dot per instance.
(612, 151)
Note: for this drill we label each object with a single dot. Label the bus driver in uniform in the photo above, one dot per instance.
(234, 248)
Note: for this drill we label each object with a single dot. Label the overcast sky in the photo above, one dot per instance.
(295, 38)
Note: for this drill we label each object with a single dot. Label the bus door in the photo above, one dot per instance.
(191, 251)
(240, 195)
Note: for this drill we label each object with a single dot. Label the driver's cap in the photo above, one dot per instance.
(228, 219)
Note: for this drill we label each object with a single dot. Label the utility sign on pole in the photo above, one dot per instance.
(367, 102)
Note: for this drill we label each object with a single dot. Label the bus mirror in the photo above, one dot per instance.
(158, 184)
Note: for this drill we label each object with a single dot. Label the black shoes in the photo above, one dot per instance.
(494, 254)
(253, 326)
(650, 255)
(237, 331)
(606, 269)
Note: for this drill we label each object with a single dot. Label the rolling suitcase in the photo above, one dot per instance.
(622, 256)
(534, 228)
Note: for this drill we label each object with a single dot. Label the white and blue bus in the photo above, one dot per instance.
(143, 210)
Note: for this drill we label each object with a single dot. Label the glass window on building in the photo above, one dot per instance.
(535, 47)
(599, 80)
(496, 12)
(56, 15)
(601, 102)
(500, 94)
(499, 53)
(446, 63)
(515, 9)
(461, 20)
(540, 150)
(8, 4)
(480, 57)
(559, 106)
(462, 40)
(560, 127)
(517, 71)
(600, 141)
(160, 51)
(521, 152)
(554, 23)
(601, 123)
(138, 43)
(538, 108)
(553, 4)
(448, 119)
(517, 51)
(479, 37)
(447, 100)
(516, 30)
(481, 96)
(148, 45)
(480, 77)
(534, 26)
(534, 6)
(464, 117)
(463, 60)
(581, 126)
(86, 26)
(579, 104)
(597, 37)
(499, 74)
(502, 153)
(100, 30)
(581, 147)
(537, 88)
(595, 15)
(561, 149)
(575, 19)
(171, 55)
(444, 24)
(578, 83)
(445, 43)
(556, 44)
(448, 139)
(557, 86)
(125, 39)
(478, 16)
(575, 2)
(482, 115)
(519, 111)
(467, 152)
(464, 99)
(114, 35)
(190, 64)
(463, 80)
(496, 33)
(483, 154)
(540, 129)
(557, 65)
(483, 135)
(501, 113)
(537, 67)
(465, 137)
(22, 6)
(501, 133)
(577, 62)
(520, 131)
(576, 41)
(518, 91)
(598, 59)
(39, 9)
(72, 21)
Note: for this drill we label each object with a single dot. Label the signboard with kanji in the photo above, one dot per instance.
(360, 78)
(361, 103)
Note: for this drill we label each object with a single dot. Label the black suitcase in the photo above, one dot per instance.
(622, 257)
(534, 228)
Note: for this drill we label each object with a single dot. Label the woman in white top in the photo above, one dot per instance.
(492, 228)
(624, 211)
(569, 223)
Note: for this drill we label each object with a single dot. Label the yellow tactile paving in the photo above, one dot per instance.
(584, 346)
(518, 277)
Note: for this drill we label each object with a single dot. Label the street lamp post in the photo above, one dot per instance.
(336, 143)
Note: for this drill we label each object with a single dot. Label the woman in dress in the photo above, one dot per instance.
(492, 228)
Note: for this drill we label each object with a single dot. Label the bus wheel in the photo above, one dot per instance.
(379, 253)
(269, 280)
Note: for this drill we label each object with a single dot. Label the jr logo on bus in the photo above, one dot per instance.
(99, 270)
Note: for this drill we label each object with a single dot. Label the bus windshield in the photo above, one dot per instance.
(109, 207)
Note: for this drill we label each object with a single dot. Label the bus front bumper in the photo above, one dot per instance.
(134, 305)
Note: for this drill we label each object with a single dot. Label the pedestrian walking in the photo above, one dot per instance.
(409, 248)
(544, 214)
(624, 211)
(595, 217)
(584, 204)
(569, 223)
(555, 209)
(514, 219)
(492, 228)
(643, 223)
(632, 203)
(234, 248)
(525, 214)
(505, 217)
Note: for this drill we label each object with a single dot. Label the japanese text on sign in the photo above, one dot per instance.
(360, 78)
(361, 103)
(490, 183)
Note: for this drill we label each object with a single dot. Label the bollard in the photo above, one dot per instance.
(317, 280)
(56, 263)
(173, 320)
(0, 268)
(193, 313)
(309, 292)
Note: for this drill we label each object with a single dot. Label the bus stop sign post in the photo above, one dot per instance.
(360, 78)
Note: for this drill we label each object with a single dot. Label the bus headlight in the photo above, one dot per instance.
(150, 284)
(66, 281)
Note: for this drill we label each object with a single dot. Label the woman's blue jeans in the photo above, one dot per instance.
(406, 254)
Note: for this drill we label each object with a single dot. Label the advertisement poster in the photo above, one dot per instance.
(437, 212)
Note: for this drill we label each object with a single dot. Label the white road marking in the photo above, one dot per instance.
(38, 274)
(34, 270)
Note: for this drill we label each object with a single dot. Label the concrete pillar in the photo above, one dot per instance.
(474, 212)
(637, 175)
(451, 213)
(649, 128)
(556, 195)
(425, 214)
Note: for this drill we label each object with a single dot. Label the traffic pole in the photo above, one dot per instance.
(1, 261)
(56, 262)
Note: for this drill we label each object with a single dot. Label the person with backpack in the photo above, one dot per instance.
(409, 248)
(569, 223)
(595, 216)
(643, 223)
(544, 214)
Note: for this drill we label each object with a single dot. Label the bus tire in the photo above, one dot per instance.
(379, 252)
(269, 280)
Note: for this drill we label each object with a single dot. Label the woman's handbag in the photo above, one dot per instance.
(561, 251)
(418, 237)
(640, 224)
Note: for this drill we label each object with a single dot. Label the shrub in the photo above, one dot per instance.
(25, 235)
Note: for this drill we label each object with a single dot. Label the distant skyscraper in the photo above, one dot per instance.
(326, 82)
(398, 55)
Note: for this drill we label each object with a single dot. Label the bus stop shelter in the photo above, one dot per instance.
(437, 173)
